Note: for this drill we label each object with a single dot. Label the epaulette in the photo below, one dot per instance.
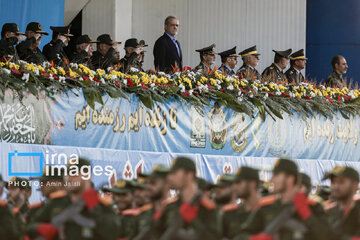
(169, 201)
(271, 68)
(264, 201)
(207, 203)
(58, 194)
(35, 205)
(146, 207)
(107, 201)
(230, 207)
(291, 72)
(3, 203)
(131, 212)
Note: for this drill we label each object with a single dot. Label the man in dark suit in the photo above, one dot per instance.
(167, 51)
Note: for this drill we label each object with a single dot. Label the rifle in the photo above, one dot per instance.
(176, 231)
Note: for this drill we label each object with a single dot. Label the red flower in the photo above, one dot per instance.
(222, 90)
(186, 68)
(307, 97)
(271, 95)
(14, 70)
(130, 83)
(117, 83)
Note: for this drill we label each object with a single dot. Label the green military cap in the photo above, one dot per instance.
(285, 165)
(132, 42)
(85, 39)
(11, 27)
(183, 163)
(247, 173)
(249, 51)
(207, 50)
(298, 55)
(62, 30)
(229, 53)
(159, 171)
(284, 54)
(225, 180)
(203, 184)
(35, 27)
(106, 38)
(140, 182)
(121, 186)
(18, 182)
(342, 171)
(305, 179)
(51, 173)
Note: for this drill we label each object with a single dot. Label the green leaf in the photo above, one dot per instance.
(146, 100)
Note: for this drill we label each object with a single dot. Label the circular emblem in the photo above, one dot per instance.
(39, 26)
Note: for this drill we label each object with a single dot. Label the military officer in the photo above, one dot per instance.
(246, 187)
(250, 57)
(28, 50)
(275, 72)
(289, 208)
(84, 50)
(297, 63)
(79, 213)
(142, 53)
(207, 58)
(54, 50)
(10, 36)
(345, 211)
(191, 216)
(103, 57)
(132, 55)
(228, 61)
(335, 79)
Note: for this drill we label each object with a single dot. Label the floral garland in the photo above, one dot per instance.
(242, 94)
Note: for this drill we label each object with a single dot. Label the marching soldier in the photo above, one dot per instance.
(275, 72)
(191, 216)
(10, 36)
(84, 50)
(246, 187)
(8, 227)
(250, 57)
(229, 61)
(345, 211)
(297, 63)
(54, 50)
(103, 57)
(132, 56)
(28, 50)
(288, 214)
(335, 79)
(79, 213)
(223, 191)
(207, 58)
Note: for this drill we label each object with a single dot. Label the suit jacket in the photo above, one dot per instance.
(166, 54)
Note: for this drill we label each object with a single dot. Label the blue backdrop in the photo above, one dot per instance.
(46, 12)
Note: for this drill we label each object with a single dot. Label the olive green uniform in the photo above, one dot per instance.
(334, 80)
(248, 72)
(8, 228)
(293, 76)
(233, 216)
(273, 73)
(81, 58)
(100, 61)
(7, 49)
(130, 62)
(30, 55)
(202, 67)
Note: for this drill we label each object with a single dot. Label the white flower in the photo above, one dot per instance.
(278, 93)
(23, 62)
(7, 71)
(37, 71)
(161, 73)
(312, 94)
(240, 93)
(182, 88)
(62, 79)
(255, 88)
(25, 77)
(240, 99)
(191, 91)
(81, 79)
(108, 69)
(102, 80)
(266, 96)
(113, 77)
(152, 85)
(251, 95)
(230, 87)
(51, 77)
(125, 81)
(74, 65)
(132, 69)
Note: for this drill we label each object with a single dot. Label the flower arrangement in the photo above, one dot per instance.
(240, 93)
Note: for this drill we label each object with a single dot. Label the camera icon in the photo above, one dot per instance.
(25, 164)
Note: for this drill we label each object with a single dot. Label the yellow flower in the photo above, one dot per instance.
(61, 71)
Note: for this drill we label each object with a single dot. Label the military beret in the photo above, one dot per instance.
(249, 51)
(284, 54)
(298, 55)
(35, 27)
(285, 165)
(183, 163)
(342, 171)
(207, 50)
(11, 27)
(247, 173)
(229, 53)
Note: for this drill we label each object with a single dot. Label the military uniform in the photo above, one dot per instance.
(131, 61)
(210, 50)
(273, 73)
(305, 222)
(345, 223)
(292, 74)
(25, 50)
(246, 71)
(226, 70)
(54, 50)
(100, 61)
(7, 49)
(83, 57)
(334, 80)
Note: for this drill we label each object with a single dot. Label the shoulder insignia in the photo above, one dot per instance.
(131, 212)
(169, 201)
(207, 203)
(146, 207)
(58, 194)
(3, 203)
(230, 207)
(267, 200)
(271, 68)
(35, 205)
(107, 201)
